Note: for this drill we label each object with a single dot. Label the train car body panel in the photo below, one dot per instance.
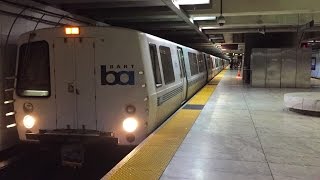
(121, 83)
(170, 93)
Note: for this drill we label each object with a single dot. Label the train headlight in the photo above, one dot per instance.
(130, 124)
(27, 107)
(29, 121)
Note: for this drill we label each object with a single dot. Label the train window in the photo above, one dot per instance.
(155, 65)
(167, 65)
(181, 62)
(33, 78)
(201, 64)
(209, 63)
(214, 63)
(193, 63)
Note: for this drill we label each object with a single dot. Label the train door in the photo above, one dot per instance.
(64, 82)
(183, 73)
(206, 67)
(75, 83)
(85, 83)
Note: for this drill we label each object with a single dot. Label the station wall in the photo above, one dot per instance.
(281, 67)
(268, 40)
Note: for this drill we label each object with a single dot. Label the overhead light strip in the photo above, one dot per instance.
(204, 18)
(192, 2)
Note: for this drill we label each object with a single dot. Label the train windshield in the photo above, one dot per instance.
(33, 78)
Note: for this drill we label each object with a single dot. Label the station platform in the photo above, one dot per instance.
(229, 131)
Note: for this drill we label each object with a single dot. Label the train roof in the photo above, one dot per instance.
(113, 28)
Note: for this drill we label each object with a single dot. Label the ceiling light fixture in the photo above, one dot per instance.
(204, 18)
(192, 2)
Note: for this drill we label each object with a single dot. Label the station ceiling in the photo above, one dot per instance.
(196, 25)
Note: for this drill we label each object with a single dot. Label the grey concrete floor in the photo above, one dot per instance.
(246, 133)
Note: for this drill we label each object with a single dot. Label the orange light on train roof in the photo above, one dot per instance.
(72, 30)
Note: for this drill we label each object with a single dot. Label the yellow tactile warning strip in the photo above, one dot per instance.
(154, 155)
(203, 96)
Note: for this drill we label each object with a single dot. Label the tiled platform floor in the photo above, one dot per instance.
(246, 133)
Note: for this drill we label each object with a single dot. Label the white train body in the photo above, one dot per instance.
(84, 85)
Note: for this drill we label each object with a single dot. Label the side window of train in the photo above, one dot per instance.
(181, 62)
(209, 63)
(201, 64)
(193, 63)
(155, 65)
(167, 65)
(33, 78)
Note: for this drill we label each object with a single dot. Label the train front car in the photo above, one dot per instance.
(81, 84)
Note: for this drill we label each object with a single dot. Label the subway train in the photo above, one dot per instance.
(107, 84)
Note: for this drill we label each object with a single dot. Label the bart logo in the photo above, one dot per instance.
(116, 78)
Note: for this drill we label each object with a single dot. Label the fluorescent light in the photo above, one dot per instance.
(10, 114)
(8, 102)
(192, 2)
(191, 20)
(204, 18)
(210, 27)
(11, 125)
(314, 41)
(176, 3)
(35, 93)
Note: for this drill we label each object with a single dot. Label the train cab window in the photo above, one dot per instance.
(155, 65)
(201, 64)
(167, 65)
(193, 63)
(33, 78)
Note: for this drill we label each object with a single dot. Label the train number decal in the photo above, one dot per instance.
(112, 77)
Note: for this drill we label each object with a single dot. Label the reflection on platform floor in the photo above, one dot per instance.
(246, 133)
(315, 83)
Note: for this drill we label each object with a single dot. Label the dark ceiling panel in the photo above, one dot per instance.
(157, 17)
(125, 12)
(128, 10)
(230, 46)
(110, 5)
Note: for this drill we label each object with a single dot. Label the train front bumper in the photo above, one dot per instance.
(72, 136)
